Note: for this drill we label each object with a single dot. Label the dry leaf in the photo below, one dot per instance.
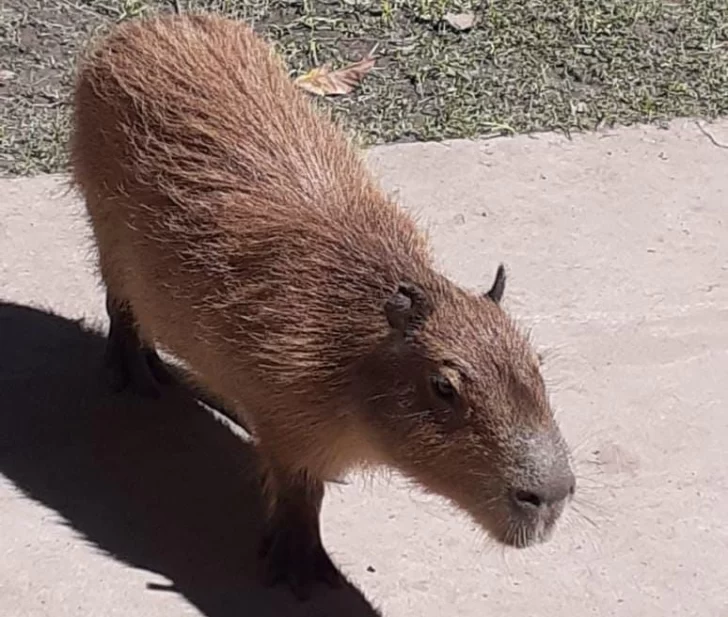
(325, 82)
(460, 21)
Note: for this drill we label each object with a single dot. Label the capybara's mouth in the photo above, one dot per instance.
(521, 529)
(523, 535)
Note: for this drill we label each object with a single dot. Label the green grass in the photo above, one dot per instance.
(527, 65)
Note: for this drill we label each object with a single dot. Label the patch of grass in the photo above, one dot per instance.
(526, 65)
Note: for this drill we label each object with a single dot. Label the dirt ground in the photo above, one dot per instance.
(523, 65)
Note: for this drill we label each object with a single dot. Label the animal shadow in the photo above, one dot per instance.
(159, 485)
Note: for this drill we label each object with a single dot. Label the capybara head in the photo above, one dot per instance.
(460, 406)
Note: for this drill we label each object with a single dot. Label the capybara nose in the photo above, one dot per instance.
(532, 498)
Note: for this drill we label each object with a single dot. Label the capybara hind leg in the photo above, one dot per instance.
(291, 550)
(129, 362)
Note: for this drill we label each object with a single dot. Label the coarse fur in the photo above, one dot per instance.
(238, 229)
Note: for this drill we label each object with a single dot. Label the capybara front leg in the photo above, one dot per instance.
(291, 549)
(129, 362)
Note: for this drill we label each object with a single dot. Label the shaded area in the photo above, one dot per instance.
(526, 65)
(161, 486)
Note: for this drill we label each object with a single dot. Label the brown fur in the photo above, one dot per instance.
(238, 229)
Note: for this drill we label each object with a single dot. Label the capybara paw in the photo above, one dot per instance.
(298, 561)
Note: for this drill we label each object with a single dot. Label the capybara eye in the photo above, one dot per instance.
(443, 387)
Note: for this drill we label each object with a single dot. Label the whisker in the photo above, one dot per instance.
(596, 483)
(585, 517)
(595, 508)
(584, 441)
(576, 520)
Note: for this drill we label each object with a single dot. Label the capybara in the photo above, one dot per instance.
(238, 229)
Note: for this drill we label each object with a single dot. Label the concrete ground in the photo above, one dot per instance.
(617, 247)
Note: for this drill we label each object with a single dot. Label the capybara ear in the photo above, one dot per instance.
(495, 293)
(407, 308)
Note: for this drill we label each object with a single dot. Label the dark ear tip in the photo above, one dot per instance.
(402, 298)
(407, 305)
(495, 293)
(406, 288)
